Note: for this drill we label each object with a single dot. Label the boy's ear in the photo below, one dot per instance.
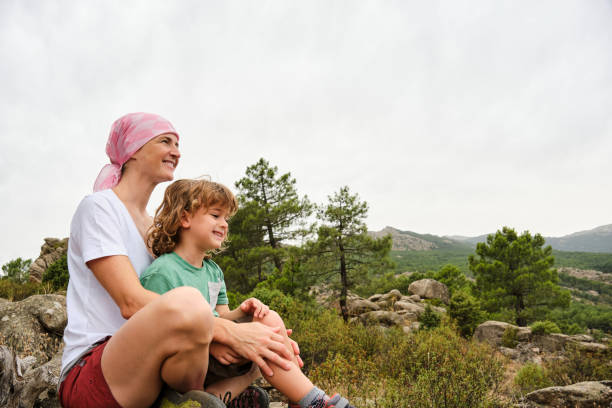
(185, 219)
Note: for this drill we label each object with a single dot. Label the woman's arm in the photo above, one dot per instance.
(117, 275)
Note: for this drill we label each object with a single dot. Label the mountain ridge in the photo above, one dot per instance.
(598, 239)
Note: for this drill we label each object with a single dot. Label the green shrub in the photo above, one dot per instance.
(17, 270)
(531, 377)
(510, 337)
(579, 365)
(544, 327)
(387, 368)
(429, 319)
(15, 292)
(465, 310)
(57, 274)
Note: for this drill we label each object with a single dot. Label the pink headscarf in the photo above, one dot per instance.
(128, 134)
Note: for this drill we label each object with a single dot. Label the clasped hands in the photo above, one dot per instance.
(257, 342)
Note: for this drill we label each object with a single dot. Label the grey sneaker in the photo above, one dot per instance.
(252, 397)
(192, 399)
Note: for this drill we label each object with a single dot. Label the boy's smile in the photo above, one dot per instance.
(206, 228)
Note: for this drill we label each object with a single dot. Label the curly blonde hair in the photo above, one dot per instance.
(185, 195)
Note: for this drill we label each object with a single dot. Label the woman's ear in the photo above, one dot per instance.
(185, 219)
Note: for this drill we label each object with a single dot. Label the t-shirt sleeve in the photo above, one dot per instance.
(156, 282)
(222, 298)
(97, 227)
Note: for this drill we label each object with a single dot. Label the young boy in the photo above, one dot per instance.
(191, 223)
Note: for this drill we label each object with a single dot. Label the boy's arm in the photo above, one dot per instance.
(225, 312)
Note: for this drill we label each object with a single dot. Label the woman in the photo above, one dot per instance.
(123, 342)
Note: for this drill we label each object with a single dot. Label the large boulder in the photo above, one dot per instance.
(415, 308)
(430, 289)
(357, 306)
(492, 332)
(589, 394)
(50, 251)
(383, 318)
(30, 351)
(34, 326)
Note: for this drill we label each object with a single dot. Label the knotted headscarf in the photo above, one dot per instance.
(128, 134)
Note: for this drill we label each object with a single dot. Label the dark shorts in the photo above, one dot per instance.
(85, 386)
(217, 371)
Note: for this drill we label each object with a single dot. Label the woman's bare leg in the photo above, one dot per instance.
(291, 383)
(166, 341)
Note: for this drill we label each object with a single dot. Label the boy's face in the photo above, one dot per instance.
(206, 228)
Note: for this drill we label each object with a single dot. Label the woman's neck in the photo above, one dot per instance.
(134, 194)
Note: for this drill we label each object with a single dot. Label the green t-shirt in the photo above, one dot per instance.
(170, 271)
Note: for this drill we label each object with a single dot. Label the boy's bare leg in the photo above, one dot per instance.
(160, 343)
(291, 383)
(234, 385)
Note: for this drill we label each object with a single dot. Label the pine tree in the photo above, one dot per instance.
(516, 273)
(344, 249)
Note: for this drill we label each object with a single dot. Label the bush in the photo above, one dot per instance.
(429, 319)
(17, 270)
(387, 368)
(579, 366)
(531, 377)
(544, 327)
(57, 274)
(465, 310)
(15, 292)
(510, 337)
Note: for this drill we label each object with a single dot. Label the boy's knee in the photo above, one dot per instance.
(273, 319)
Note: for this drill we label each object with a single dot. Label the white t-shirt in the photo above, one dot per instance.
(101, 226)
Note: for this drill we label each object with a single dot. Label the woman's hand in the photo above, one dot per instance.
(295, 348)
(224, 354)
(254, 307)
(260, 344)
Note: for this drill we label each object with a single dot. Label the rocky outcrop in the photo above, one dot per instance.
(430, 289)
(403, 240)
(531, 347)
(589, 274)
(589, 394)
(30, 351)
(50, 251)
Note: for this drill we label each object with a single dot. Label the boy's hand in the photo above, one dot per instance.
(296, 348)
(254, 307)
(224, 354)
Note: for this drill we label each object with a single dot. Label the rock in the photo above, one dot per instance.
(35, 386)
(375, 298)
(589, 394)
(592, 347)
(492, 331)
(34, 326)
(50, 251)
(430, 289)
(512, 354)
(551, 343)
(415, 298)
(381, 317)
(410, 307)
(359, 306)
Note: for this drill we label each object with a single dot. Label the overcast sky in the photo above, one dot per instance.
(447, 117)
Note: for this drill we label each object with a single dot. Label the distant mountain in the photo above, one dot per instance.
(411, 241)
(596, 240)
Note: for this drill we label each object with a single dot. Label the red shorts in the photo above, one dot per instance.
(85, 386)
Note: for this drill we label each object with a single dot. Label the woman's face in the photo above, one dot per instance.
(158, 158)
